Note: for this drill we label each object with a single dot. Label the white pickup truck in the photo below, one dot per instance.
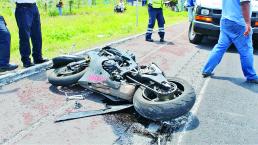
(206, 22)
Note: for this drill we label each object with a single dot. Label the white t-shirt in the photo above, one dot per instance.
(25, 1)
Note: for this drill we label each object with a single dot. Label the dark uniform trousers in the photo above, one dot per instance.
(28, 21)
(155, 13)
(5, 40)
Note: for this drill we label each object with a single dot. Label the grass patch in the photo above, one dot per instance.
(88, 27)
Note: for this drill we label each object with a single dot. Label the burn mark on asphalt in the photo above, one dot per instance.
(134, 125)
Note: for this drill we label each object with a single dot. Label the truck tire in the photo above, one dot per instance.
(193, 37)
(167, 109)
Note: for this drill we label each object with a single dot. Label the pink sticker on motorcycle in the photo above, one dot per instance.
(96, 78)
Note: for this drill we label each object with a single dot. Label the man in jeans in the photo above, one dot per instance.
(190, 7)
(5, 42)
(235, 28)
(28, 21)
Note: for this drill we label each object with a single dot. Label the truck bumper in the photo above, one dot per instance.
(210, 29)
(255, 34)
(204, 28)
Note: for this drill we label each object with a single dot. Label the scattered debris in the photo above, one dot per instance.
(77, 105)
(153, 127)
(77, 115)
(75, 97)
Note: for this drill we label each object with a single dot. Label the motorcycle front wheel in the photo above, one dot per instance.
(147, 104)
(64, 80)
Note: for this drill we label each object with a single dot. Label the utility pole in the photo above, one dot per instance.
(137, 12)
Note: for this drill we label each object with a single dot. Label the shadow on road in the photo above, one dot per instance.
(8, 91)
(192, 123)
(39, 77)
(240, 82)
(166, 42)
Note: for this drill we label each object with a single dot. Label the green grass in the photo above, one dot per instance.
(88, 27)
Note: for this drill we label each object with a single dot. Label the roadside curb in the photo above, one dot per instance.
(20, 74)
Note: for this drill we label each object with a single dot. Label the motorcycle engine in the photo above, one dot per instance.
(112, 67)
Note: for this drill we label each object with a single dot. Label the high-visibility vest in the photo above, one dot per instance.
(156, 3)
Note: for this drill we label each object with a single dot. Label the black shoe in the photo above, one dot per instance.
(205, 75)
(161, 40)
(149, 40)
(8, 67)
(40, 61)
(26, 65)
(255, 81)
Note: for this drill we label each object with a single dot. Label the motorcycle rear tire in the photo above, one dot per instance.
(64, 80)
(165, 110)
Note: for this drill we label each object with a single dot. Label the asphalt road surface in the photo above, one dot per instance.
(226, 108)
(225, 111)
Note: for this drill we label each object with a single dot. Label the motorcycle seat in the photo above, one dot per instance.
(65, 59)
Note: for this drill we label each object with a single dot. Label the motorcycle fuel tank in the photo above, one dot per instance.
(98, 79)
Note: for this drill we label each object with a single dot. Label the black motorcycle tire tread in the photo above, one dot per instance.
(64, 81)
(161, 111)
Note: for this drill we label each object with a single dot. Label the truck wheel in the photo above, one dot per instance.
(255, 43)
(193, 37)
(147, 104)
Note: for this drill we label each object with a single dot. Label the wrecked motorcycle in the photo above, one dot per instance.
(114, 72)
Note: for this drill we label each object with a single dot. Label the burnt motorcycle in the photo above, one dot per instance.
(114, 72)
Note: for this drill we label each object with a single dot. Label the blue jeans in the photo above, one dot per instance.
(60, 11)
(190, 13)
(5, 40)
(28, 21)
(144, 2)
(231, 32)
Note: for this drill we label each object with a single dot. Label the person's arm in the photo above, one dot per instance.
(245, 5)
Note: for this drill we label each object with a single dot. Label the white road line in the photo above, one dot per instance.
(193, 111)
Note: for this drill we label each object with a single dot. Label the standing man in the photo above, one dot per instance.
(5, 42)
(190, 6)
(28, 21)
(144, 2)
(59, 7)
(235, 28)
(155, 10)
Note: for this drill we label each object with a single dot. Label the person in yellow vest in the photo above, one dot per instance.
(155, 10)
